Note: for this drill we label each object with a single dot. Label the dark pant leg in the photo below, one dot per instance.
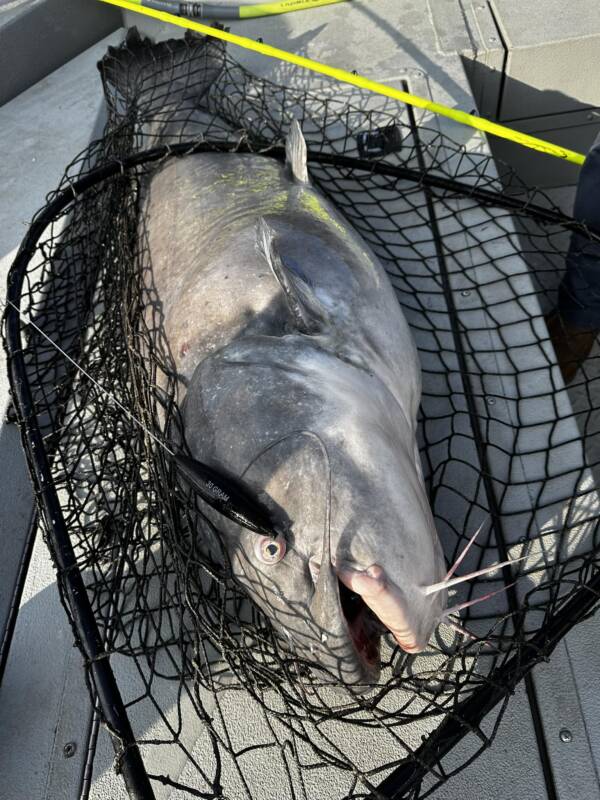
(579, 292)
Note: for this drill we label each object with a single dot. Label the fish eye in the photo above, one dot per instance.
(270, 551)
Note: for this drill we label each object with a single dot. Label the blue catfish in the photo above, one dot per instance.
(303, 380)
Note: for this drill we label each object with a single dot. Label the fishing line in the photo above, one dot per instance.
(251, 517)
(227, 495)
(28, 321)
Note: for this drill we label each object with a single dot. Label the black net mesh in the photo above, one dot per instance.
(217, 704)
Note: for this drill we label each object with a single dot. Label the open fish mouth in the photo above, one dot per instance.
(364, 629)
(369, 592)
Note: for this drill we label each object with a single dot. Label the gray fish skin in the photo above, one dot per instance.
(307, 387)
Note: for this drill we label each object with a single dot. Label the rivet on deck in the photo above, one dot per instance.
(69, 749)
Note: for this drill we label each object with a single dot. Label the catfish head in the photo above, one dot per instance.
(322, 430)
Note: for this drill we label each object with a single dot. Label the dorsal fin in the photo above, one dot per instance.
(308, 313)
(296, 154)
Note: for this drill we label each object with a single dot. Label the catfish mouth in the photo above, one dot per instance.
(364, 629)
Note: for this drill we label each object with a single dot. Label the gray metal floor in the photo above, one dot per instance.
(43, 703)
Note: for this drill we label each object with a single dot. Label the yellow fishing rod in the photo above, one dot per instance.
(479, 123)
(221, 11)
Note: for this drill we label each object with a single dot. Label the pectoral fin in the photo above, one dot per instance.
(308, 313)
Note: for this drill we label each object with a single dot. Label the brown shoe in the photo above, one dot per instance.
(572, 345)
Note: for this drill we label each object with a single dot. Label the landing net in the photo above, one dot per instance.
(218, 706)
